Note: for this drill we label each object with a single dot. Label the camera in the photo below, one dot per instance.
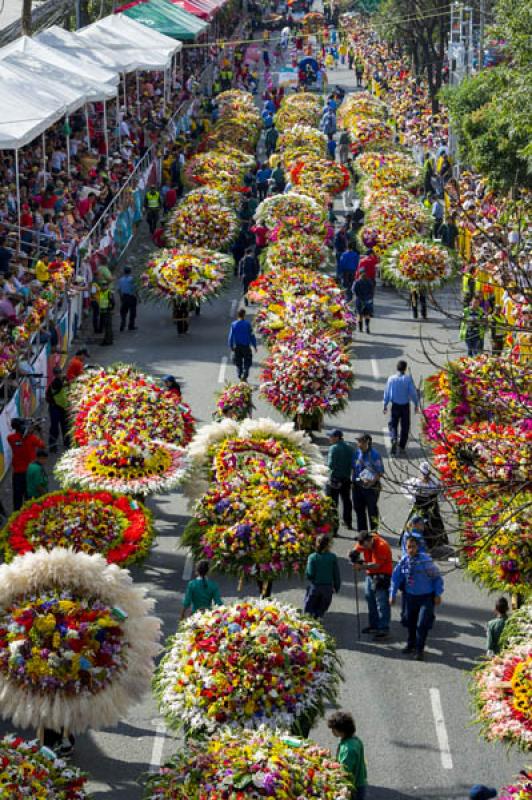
(355, 557)
(24, 425)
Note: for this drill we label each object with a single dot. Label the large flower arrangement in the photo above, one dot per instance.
(366, 131)
(273, 286)
(306, 375)
(246, 665)
(301, 141)
(496, 543)
(235, 402)
(204, 218)
(290, 115)
(318, 176)
(216, 170)
(389, 222)
(126, 465)
(137, 408)
(29, 771)
(274, 210)
(413, 263)
(311, 313)
(191, 273)
(250, 765)
(61, 273)
(242, 131)
(359, 104)
(93, 381)
(387, 169)
(91, 522)
(502, 692)
(235, 100)
(518, 629)
(76, 642)
(520, 790)
(307, 252)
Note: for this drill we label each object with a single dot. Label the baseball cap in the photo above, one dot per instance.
(336, 433)
(424, 467)
(481, 792)
(168, 378)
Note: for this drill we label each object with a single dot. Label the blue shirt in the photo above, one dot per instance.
(348, 261)
(126, 285)
(241, 333)
(269, 107)
(264, 175)
(369, 460)
(417, 575)
(400, 389)
(331, 147)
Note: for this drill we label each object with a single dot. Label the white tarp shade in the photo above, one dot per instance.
(39, 60)
(26, 112)
(71, 97)
(119, 27)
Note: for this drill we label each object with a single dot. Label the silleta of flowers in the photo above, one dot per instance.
(318, 176)
(246, 665)
(520, 790)
(216, 170)
(415, 263)
(189, 273)
(302, 113)
(502, 692)
(305, 375)
(302, 137)
(294, 315)
(204, 218)
(275, 210)
(496, 543)
(251, 765)
(243, 132)
(127, 465)
(306, 252)
(367, 131)
(76, 641)
(115, 526)
(235, 402)
(29, 771)
(359, 104)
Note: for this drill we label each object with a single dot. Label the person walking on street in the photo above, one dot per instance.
(437, 216)
(400, 391)
(106, 304)
(498, 330)
(367, 473)
(36, 476)
(339, 461)
(350, 752)
(423, 492)
(241, 339)
(418, 577)
(472, 328)
(347, 267)
(201, 593)
(56, 397)
(428, 175)
(363, 290)
(378, 563)
(248, 269)
(264, 174)
(323, 575)
(128, 300)
(24, 444)
(152, 203)
(496, 627)
(418, 301)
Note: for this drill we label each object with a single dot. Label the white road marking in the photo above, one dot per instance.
(375, 368)
(158, 745)
(223, 367)
(387, 441)
(234, 304)
(441, 730)
(187, 569)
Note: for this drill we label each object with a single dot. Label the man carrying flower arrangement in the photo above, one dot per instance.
(367, 472)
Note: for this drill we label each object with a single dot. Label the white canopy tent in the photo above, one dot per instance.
(26, 113)
(117, 28)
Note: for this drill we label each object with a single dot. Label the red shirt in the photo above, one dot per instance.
(170, 199)
(260, 235)
(369, 265)
(24, 450)
(74, 369)
(380, 553)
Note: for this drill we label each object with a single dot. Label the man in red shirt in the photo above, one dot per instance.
(368, 263)
(378, 563)
(77, 364)
(24, 445)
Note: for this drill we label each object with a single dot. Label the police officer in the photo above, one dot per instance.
(106, 305)
(153, 205)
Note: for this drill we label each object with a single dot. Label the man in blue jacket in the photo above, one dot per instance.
(418, 577)
(241, 338)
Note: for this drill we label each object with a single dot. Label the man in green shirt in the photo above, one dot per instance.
(201, 593)
(36, 477)
(496, 627)
(340, 462)
(350, 752)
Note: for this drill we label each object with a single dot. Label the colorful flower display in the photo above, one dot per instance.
(307, 374)
(76, 642)
(90, 522)
(520, 790)
(366, 131)
(318, 176)
(502, 691)
(235, 402)
(216, 170)
(275, 210)
(246, 665)
(292, 114)
(29, 771)
(250, 765)
(307, 252)
(125, 465)
(388, 169)
(293, 315)
(518, 629)
(413, 263)
(191, 273)
(242, 131)
(300, 142)
(357, 105)
(234, 100)
(204, 218)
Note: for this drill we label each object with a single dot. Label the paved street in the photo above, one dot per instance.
(414, 718)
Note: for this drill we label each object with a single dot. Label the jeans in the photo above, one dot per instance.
(243, 359)
(474, 344)
(58, 422)
(400, 415)
(365, 501)
(342, 491)
(19, 489)
(378, 605)
(419, 618)
(318, 598)
(347, 283)
(128, 305)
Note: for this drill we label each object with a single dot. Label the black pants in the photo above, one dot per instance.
(365, 502)
(342, 490)
(106, 325)
(58, 422)
(128, 305)
(243, 360)
(95, 309)
(262, 190)
(419, 619)
(400, 416)
(152, 217)
(419, 301)
(18, 482)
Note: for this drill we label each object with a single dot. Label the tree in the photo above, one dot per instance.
(26, 18)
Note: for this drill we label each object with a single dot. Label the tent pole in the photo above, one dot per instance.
(138, 92)
(125, 95)
(164, 88)
(174, 62)
(118, 118)
(44, 160)
(106, 136)
(17, 181)
(68, 143)
(87, 126)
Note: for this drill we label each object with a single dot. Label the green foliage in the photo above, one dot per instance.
(514, 26)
